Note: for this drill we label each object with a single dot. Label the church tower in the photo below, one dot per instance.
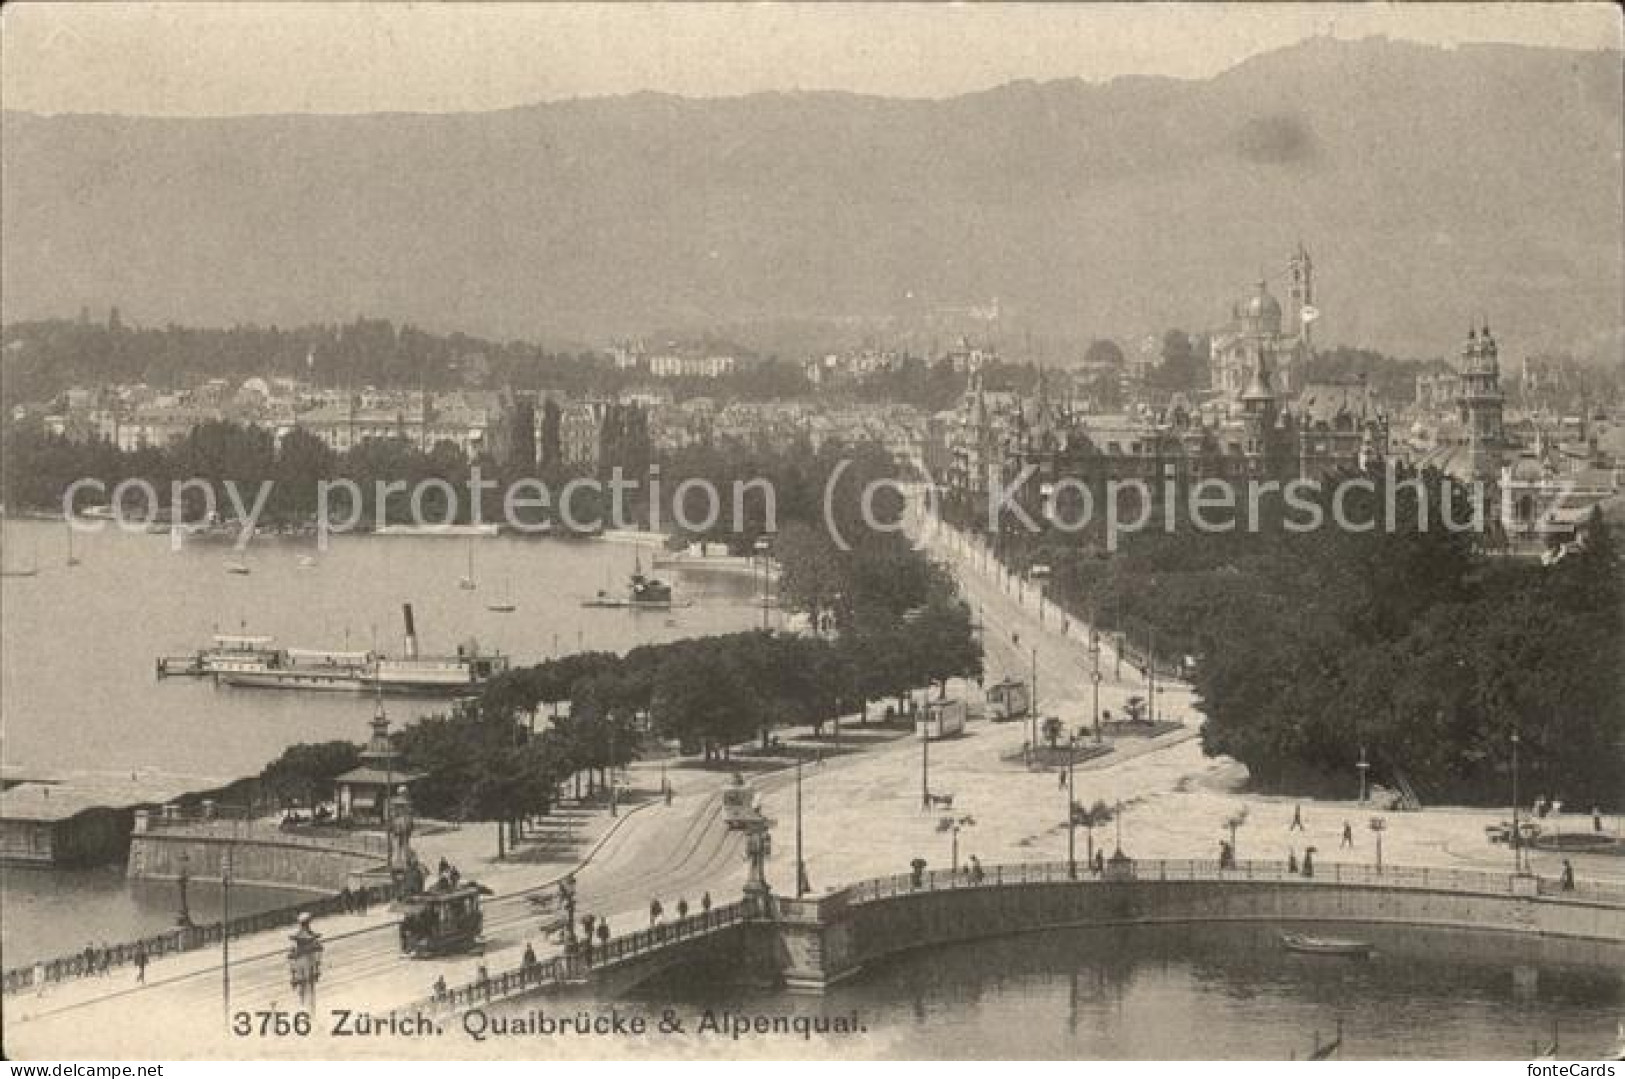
(1481, 402)
(1258, 414)
(1301, 292)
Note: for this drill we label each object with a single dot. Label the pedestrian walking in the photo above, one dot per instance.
(1348, 834)
(603, 931)
(1297, 819)
(1291, 861)
(1596, 819)
(1100, 861)
(1309, 861)
(682, 908)
(528, 961)
(655, 911)
(1568, 876)
(977, 875)
(705, 903)
(39, 977)
(140, 964)
(440, 987)
(1060, 775)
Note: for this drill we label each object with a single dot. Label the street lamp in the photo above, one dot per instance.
(1151, 673)
(952, 825)
(1234, 822)
(183, 920)
(1517, 831)
(925, 767)
(764, 549)
(305, 962)
(1378, 826)
(1032, 712)
(1071, 811)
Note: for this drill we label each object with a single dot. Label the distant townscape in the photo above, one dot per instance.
(1255, 396)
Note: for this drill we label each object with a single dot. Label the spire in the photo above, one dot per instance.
(1258, 387)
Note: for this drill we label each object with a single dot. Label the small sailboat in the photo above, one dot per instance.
(30, 570)
(505, 605)
(468, 583)
(1327, 1050)
(1550, 1051)
(306, 561)
(239, 568)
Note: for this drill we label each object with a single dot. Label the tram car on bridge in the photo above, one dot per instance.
(442, 921)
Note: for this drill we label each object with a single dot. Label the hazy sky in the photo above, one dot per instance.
(215, 59)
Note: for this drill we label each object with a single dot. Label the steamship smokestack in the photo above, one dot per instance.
(411, 633)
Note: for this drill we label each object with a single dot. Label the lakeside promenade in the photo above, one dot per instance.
(1174, 805)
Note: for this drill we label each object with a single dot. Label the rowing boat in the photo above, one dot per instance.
(1298, 942)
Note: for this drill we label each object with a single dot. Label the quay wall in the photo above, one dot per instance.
(159, 849)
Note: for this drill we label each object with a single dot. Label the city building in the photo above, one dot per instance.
(1260, 327)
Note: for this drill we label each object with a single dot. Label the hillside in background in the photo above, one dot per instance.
(1430, 185)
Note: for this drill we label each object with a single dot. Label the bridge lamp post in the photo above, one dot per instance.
(305, 962)
(803, 886)
(1364, 766)
(1378, 826)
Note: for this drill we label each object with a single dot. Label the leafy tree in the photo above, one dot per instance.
(304, 773)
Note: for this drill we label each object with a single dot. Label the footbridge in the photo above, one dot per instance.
(812, 942)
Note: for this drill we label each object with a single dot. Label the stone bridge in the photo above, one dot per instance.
(811, 943)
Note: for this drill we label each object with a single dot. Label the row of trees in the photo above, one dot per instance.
(38, 466)
(891, 623)
(1411, 643)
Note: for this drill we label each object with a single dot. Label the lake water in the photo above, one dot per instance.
(52, 912)
(77, 645)
(1218, 992)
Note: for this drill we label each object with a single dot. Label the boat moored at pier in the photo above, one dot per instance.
(251, 663)
(227, 651)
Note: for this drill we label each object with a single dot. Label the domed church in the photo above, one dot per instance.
(1260, 331)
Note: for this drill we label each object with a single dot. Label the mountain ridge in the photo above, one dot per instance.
(1428, 184)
